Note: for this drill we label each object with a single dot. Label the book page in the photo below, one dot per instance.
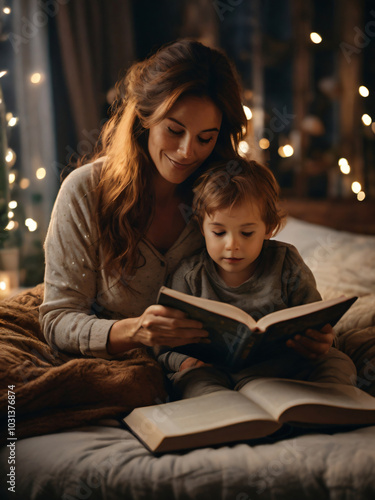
(330, 311)
(220, 417)
(278, 395)
(202, 413)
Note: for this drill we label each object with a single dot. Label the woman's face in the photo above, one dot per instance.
(181, 142)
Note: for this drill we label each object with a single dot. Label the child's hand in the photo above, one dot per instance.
(314, 343)
(192, 363)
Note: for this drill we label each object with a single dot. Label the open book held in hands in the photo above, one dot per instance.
(236, 337)
(258, 409)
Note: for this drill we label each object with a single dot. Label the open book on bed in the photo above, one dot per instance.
(235, 336)
(258, 409)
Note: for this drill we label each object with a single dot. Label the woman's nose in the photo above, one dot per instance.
(185, 147)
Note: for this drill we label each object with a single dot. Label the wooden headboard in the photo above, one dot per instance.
(347, 215)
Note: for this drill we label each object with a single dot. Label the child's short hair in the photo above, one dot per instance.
(228, 184)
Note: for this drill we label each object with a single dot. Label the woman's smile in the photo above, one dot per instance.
(179, 164)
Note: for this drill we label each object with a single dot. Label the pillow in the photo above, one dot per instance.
(343, 263)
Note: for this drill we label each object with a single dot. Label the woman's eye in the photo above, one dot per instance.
(247, 234)
(205, 141)
(175, 132)
(219, 234)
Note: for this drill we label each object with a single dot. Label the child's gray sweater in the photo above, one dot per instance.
(281, 279)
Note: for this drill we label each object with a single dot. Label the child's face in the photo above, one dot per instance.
(234, 239)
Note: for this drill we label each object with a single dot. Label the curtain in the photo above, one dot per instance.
(95, 42)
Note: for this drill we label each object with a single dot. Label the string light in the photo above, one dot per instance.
(7, 10)
(264, 143)
(344, 165)
(248, 112)
(13, 121)
(342, 161)
(9, 156)
(366, 119)
(40, 173)
(356, 187)
(24, 183)
(31, 224)
(363, 91)
(286, 151)
(361, 196)
(345, 169)
(315, 37)
(36, 78)
(244, 147)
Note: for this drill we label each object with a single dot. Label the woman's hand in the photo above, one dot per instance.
(158, 325)
(314, 343)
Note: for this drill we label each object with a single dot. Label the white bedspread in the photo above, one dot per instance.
(108, 463)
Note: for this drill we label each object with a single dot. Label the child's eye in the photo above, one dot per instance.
(175, 132)
(205, 141)
(219, 234)
(247, 234)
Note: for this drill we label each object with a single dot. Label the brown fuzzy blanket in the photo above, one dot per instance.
(56, 391)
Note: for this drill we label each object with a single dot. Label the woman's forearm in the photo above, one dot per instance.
(121, 334)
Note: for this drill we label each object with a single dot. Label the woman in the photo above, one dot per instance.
(119, 226)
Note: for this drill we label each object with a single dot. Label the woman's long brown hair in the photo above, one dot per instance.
(146, 94)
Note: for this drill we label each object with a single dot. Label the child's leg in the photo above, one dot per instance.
(283, 364)
(198, 381)
(335, 367)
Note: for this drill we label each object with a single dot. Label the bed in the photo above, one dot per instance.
(78, 451)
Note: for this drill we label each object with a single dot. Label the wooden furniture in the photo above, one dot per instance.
(346, 215)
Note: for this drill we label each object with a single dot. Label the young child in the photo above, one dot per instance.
(235, 205)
